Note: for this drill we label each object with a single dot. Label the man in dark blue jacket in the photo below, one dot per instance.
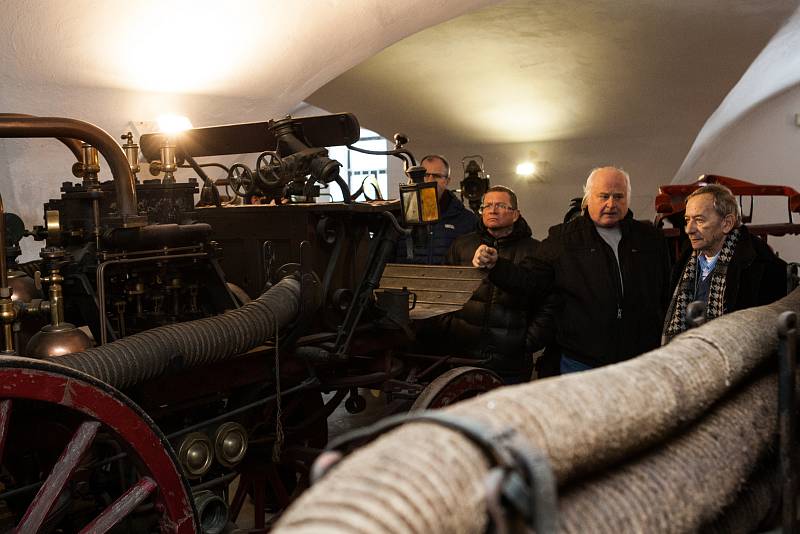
(429, 244)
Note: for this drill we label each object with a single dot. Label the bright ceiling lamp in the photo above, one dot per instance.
(171, 123)
(180, 46)
(526, 168)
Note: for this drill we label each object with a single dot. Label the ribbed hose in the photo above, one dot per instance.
(424, 478)
(144, 356)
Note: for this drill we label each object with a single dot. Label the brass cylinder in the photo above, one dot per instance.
(169, 163)
(91, 159)
(56, 298)
(131, 152)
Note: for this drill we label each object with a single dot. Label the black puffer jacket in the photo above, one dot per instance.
(495, 326)
(598, 323)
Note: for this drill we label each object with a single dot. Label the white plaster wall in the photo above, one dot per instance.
(754, 136)
(761, 146)
(774, 71)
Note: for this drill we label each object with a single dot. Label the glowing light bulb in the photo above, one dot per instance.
(172, 123)
(526, 169)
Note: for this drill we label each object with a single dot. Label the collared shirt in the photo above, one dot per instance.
(707, 264)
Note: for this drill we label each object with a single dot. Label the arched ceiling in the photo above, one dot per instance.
(550, 70)
(578, 82)
(280, 51)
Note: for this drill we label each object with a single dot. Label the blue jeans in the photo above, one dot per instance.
(568, 365)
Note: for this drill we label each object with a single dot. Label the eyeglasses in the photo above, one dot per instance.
(500, 206)
(435, 175)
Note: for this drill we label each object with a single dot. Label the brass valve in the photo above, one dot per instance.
(168, 163)
(56, 295)
(88, 167)
(8, 314)
(131, 152)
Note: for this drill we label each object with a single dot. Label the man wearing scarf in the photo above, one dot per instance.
(727, 268)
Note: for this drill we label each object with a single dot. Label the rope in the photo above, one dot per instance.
(279, 436)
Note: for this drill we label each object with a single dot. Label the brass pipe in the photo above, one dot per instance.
(3, 266)
(7, 311)
(124, 184)
(56, 294)
(73, 145)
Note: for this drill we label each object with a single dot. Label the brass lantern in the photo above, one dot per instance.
(419, 203)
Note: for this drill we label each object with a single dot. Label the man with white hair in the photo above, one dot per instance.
(610, 271)
(727, 268)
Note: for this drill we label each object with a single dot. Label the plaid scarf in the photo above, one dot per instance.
(684, 292)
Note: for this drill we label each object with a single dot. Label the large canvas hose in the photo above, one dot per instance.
(755, 504)
(685, 483)
(425, 478)
(146, 355)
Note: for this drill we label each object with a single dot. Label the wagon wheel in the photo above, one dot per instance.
(78, 456)
(456, 385)
(273, 486)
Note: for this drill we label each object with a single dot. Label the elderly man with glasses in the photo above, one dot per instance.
(500, 330)
(429, 244)
(609, 271)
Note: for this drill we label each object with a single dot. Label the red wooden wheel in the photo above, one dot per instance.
(78, 456)
(455, 385)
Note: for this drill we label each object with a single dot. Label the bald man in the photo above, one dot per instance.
(610, 271)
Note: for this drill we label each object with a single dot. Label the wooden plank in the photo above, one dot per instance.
(434, 271)
(394, 282)
(442, 297)
(426, 312)
(439, 289)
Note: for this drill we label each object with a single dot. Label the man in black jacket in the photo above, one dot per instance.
(609, 271)
(500, 329)
(727, 268)
(429, 244)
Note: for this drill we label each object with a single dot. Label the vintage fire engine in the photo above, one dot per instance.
(161, 348)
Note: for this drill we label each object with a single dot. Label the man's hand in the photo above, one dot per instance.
(485, 257)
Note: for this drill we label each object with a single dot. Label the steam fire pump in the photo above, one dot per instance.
(160, 350)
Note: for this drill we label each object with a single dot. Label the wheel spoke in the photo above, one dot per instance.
(5, 415)
(119, 509)
(51, 489)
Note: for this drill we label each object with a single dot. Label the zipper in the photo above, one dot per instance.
(430, 244)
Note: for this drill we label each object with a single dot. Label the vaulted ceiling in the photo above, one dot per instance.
(567, 83)
(552, 70)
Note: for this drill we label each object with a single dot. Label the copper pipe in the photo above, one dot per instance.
(124, 184)
(73, 145)
(7, 310)
(3, 266)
